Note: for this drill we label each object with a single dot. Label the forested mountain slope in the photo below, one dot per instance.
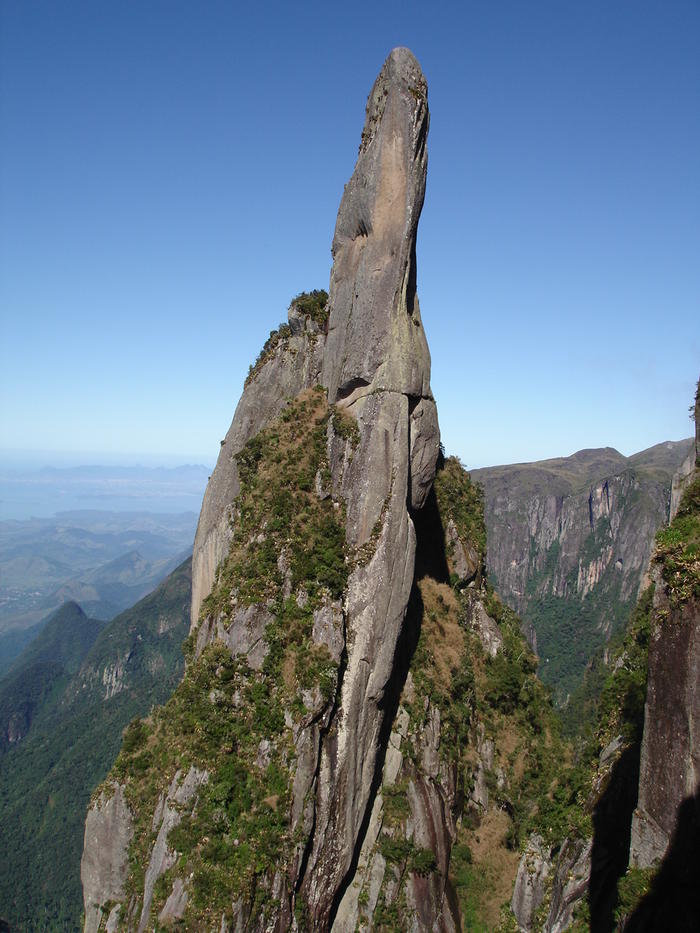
(46, 779)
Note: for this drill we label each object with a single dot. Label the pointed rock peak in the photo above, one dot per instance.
(375, 337)
(400, 74)
(68, 611)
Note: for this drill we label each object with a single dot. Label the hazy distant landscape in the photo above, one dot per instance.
(103, 536)
(41, 492)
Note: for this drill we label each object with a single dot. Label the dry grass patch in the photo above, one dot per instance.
(444, 635)
(496, 864)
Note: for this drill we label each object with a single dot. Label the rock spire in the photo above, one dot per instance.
(327, 745)
(376, 366)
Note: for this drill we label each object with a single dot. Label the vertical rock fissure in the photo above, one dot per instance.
(308, 847)
(405, 649)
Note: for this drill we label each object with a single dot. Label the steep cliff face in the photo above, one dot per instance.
(635, 866)
(289, 362)
(666, 824)
(569, 545)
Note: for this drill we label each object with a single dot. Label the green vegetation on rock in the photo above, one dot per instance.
(481, 700)
(279, 512)
(233, 721)
(313, 305)
(462, 500)
(678, 548)
(273, 341)
(215, 721)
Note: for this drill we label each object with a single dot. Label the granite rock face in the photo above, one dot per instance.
(375, 335)
(670, 757)
(292, 365)
(376, 366)
(531, 881)
(104, 865)
(381, 449)
(570, 884)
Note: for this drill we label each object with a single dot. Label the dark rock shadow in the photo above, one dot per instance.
(673, 901)
(612, 827)
(430, 560)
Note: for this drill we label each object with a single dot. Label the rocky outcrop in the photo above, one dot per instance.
(531, 883)
(353, 687)
(670, 754)
(167, 816)
(670, 758)
(665, 833)
(558, 883)
(570, 885)
(103, 868)
(290, 363)
(377, 368)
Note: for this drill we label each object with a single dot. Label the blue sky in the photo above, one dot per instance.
(170, 174)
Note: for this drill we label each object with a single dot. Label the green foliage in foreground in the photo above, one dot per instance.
(462, 500)
(215, 721)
